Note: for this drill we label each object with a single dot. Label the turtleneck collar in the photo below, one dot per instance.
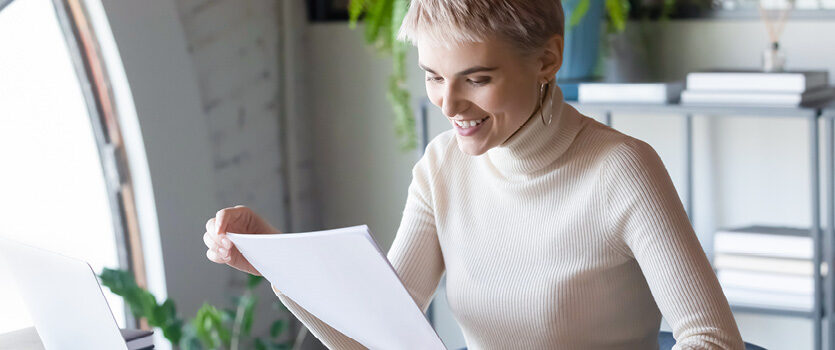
(536, 145)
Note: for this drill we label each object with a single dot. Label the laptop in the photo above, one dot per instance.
(65, 301)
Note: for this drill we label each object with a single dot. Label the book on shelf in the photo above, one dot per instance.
(766, 266)
(800, 267)
(764, 299)
(757, 98)
(757, 81)
(137, 339)
(644, 93)
(767, 282)
(771, 241)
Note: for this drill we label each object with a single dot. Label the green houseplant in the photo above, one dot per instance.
(211, 327)
(383, 18)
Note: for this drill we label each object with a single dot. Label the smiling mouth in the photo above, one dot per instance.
(465, 124)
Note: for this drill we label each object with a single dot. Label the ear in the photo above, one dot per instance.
(551, 59)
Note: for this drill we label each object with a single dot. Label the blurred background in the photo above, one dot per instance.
(125, 125)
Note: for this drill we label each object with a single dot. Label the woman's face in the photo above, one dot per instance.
(486, 90)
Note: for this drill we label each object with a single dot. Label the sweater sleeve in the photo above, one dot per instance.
(650, 224)
(415, 255)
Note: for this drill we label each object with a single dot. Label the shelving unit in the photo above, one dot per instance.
(812, 114)
(828, 115)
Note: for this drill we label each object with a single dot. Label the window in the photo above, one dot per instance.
(62, 186)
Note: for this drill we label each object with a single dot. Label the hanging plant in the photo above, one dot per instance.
(382, 21)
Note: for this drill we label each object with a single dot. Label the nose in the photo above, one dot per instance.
(452, 103)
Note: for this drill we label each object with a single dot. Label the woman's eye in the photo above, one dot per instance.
(434, 79)
(478, 82)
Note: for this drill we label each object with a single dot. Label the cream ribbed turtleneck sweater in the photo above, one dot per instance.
(567, 236)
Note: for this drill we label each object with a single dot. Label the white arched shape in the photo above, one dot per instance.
(135, 149)
(167, 143)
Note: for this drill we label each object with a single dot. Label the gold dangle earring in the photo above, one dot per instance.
(542, 91)
(539, 100)
(551, 101)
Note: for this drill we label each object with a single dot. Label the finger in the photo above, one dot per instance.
(238, 261)
(210, 224)
(225, 242)
(222, 253)
(210, 228)
(209, 241)
(212, 255)
(223, 218)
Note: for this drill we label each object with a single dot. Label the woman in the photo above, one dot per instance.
(555, 231)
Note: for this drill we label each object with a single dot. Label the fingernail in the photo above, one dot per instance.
(226, 243)
(222, 251)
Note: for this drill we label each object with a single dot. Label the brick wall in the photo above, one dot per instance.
(234, 46)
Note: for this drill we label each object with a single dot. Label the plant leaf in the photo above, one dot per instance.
(355, 9)
(228, 315)
(253, 281)
(398, 12)
(579, 12)
(373, 19)
(618, 14)
(143, 304)
(404, 120)
(278, 305)
(277, 328)
(249, 302)
(259, 344)
(209, 327)
(166, 311)
(378, 24)
(667, 9)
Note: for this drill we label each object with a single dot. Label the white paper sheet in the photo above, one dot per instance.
(343, 278)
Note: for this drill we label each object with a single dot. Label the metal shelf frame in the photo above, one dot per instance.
(824, 290)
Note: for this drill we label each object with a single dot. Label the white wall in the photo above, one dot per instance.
(361, 173)
(363, 177)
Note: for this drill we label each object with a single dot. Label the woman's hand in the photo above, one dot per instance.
(238, 219)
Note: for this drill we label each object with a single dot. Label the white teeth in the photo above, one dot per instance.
(469, 123)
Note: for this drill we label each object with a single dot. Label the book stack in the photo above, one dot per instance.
(641, 93)
(756, 88)
(766, 266)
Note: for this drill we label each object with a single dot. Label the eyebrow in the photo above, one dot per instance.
(470, 70)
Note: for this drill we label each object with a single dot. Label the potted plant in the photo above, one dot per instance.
(212, 327)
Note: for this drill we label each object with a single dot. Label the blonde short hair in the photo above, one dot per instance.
(528, 24)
